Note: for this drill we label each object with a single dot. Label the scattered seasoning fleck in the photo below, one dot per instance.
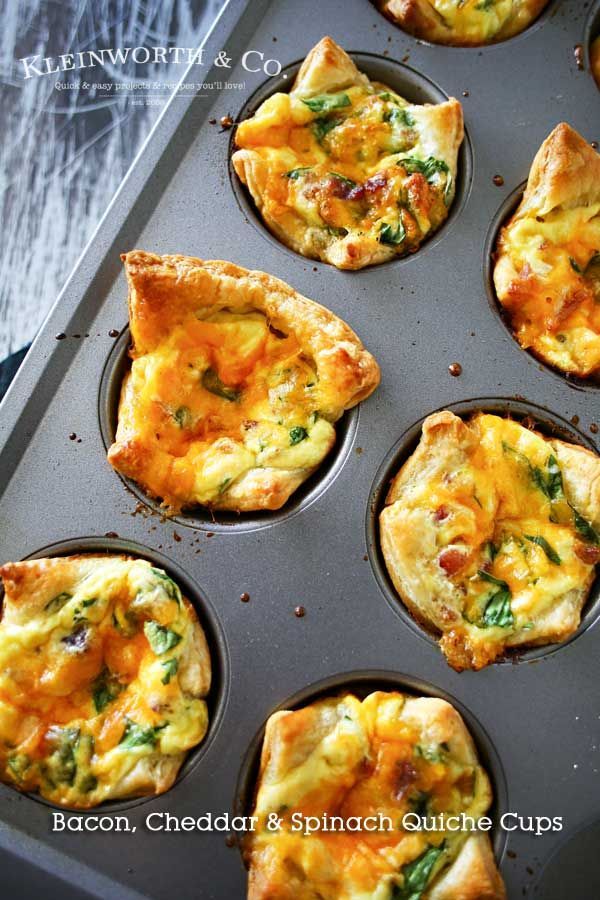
(365, 558)
(113, 333)
(245, 597)
(78, 440)
(359, 450)
(498, 180)
(578, 51)
(594, 428)
(111, 534)
(72, 436)
(574, 420)
(212, 121)
(594, 145)
(60, 336)
(230, 839)
(77, 336)
(210, 534)
(176, 537)
(226, 121)
(299, 612)
(455, 369)
(511, 854)
(465, 93)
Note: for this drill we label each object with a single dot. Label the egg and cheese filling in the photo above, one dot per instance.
(468, 22)
(353, 162)
(554, 298)
(509, 557)
(345, 761)
(222, 394)
(96, 696)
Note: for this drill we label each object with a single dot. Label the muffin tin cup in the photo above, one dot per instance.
(537, 23)
(544, 421)
(216, 699)
(410, 84)
(204, 518)
(362, 683)
(505, 212)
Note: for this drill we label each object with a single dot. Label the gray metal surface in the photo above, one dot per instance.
(540, 716)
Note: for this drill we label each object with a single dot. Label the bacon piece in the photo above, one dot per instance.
(587, 553)
(452, 560)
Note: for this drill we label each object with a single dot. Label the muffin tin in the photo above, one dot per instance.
(535, 721)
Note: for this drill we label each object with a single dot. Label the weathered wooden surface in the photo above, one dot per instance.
(63, 153)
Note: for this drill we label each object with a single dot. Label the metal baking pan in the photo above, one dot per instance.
(535, 717)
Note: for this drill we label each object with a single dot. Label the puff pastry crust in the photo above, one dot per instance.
(387, 755)
(343, 169)
(235, 387)
(491, 534)
(547, 271)
(469, 23)
(104, 670)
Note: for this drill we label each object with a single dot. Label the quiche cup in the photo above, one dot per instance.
(491, 534)
(104, 671)
(343, 169)
(547, 258)
(388, 755)
(468, 23)
(236, 384)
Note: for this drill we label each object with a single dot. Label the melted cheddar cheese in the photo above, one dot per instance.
(463, 22)
(353, 174)
(486, 535)
(547, 272)
(346, 769)
(222, 395)
(235, 386)
(103, 674)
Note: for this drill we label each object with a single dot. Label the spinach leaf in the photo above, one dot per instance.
(160, 637)
(546, 547)
(433, 753)
(575, 266)
(295, 174)
(419, 803)
(61, 766)
(168, 585)
(321, 127)
(105, 690)
(170, 666)
(554, 480)
(297, 434)
(390, 235)
(88, 783)
(399, 117)
(497, 611)
(136, 735)
(18, 764)
(58, 602)
(211, 382)
(426, 167)
(485, 5)
(416, 875)
(183, 416)
(343, 180)
(490, 550)
(327, 102)
(550, 483)
(585, 529)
